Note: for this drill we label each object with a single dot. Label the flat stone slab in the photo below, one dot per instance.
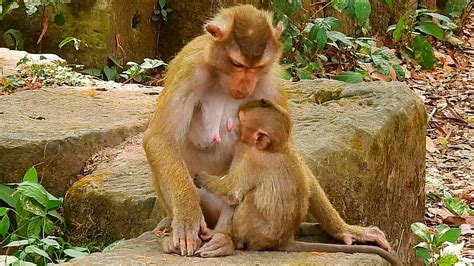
(366, 143)
(57, 129)
(9, 59)
(146, 250)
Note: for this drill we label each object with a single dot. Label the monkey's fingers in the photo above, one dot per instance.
(220, 245)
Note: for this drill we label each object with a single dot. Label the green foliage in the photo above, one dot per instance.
(350, 77)
(14, 39)
(457, 206)
(6, 6)
(139, 73)
(41, 73)
(35, 218)
(454, 8)
(412, 28)
(436, 244)
(76, 42)
(161, 11)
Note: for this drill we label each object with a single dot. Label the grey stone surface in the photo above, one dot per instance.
(365, 142)
(146, 250)
(57, 129)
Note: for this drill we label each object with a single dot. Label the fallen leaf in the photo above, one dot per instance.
(91, 93)
(380, 76)
(430, 146)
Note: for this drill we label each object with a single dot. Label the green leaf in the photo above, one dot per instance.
(112, 246)
(447, 260)
(303, 73)
(8, 196)
(422, 231)
(423, 51)
(111, 73)
(33, 207)
(340, 5)
(31, 175)
(438, 17)
(75, 253)
(400, 28)
(4, 226)
(14, 39)
(53, 202)
(455, 205)
(287, 45)
(455, 8)
(59, 19)
(422, 251)
(8, 260)
(321, 38)
(389, 3)
(332, 22)
(3, 211)
(431, 28)
(114, 60)
(450, 235)
(18, 243)
(339, 36)
(162, 3)
(51, 242)
(350, 77)
(36, 250)
(362, 10)
(56, 215)
(35, 191)
(34, 228)
(93, 72)
(65, 41)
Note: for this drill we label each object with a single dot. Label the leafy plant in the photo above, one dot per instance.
(140, 73)
(161, 11)
(454, 8)
(412, 28)
(41, 73)
(457, 206)
(438, 246)
(35, 219)
(76, 42)
(13, 38)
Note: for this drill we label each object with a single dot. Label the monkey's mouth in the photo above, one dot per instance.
(239, 95)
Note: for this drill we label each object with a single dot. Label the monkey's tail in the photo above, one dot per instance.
(299, 246)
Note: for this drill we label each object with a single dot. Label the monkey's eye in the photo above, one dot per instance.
(236, 64)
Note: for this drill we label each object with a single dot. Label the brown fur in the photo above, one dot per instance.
(202, 92)
(270, 186)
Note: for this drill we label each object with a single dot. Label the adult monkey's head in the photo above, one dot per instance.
(244, 48)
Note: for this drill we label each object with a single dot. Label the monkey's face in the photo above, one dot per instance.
(244, 74)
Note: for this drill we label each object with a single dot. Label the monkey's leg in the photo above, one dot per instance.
(298, 246)
(321, 208)
(221, 243)
(177, 191)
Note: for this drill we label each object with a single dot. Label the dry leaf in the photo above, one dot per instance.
(380, 76)
(430, 146)
(91, 93)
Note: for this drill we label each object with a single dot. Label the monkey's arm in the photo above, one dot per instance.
(231, 188)
(321, 208)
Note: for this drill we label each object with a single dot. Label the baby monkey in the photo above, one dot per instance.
(266, 190)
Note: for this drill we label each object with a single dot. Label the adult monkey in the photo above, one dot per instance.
(236, 60)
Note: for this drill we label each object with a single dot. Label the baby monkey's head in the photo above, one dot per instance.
(265, 125)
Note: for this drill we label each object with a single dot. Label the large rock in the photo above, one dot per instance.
(146, 250)
(57, 129)
(365, 142)
(122, 28)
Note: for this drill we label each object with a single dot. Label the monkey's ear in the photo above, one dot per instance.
(261, 139)
(215, 31)
(278, 30)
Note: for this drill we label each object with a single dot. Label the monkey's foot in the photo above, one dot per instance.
(364, 235)
(163, 228)
(221, 244)
(186, 235)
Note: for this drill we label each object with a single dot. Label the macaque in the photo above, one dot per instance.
(193, 127)
(269, 185)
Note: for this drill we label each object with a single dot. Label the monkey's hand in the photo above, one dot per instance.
(186, 234)
(221, 244)
(363, 235)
